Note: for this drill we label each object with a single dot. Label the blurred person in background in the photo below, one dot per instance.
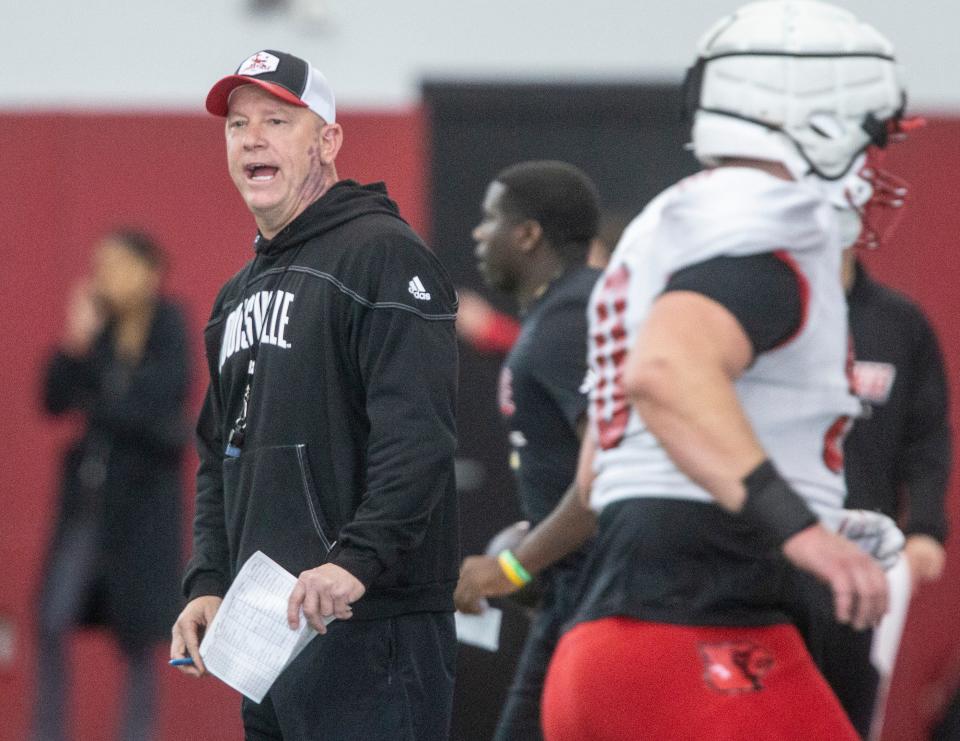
(115, 557)
(539, 221)
(897, 458)
(487, 330)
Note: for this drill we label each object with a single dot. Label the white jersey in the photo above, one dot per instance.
(797, 396)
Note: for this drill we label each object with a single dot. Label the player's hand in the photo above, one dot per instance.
(325, 591)
(925, 557)
(188, 631)
(858, 584)
(480, 577)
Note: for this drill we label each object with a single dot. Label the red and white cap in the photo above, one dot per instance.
(289, 78)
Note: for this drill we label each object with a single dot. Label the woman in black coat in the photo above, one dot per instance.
(115, 557)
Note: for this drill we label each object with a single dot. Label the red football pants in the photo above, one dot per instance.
(620, 679)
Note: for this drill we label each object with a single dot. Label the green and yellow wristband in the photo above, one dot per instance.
(513, 569)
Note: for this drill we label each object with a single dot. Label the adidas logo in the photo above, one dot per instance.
(418, 290)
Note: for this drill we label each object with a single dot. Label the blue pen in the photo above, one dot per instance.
(186, 661)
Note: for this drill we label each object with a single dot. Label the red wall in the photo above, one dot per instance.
(68, 179)
(71, 177)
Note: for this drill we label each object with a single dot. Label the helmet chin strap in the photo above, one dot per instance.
(848, 196)
(850, 226)
(851, 192)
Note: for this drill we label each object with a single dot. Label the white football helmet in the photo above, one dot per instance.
(803, 83)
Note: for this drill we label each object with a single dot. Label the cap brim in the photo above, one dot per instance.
(219, 94)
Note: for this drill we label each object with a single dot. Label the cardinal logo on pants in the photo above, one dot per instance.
(732, 668)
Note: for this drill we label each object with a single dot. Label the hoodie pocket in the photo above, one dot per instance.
(313, 501)
(272, 504)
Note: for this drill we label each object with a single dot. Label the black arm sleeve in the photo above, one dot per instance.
(761, 291)
(407, 355)
(69, 383)
(925, 455)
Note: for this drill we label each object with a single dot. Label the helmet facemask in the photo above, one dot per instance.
(881, 213)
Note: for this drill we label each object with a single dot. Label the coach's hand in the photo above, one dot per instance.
(480, 577)
(188, 632)
(859, 586)
(321, 592)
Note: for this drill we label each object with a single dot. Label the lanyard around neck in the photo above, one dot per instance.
(238, 433)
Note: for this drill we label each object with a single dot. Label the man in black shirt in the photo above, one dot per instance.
(897, 456)
(538, 221)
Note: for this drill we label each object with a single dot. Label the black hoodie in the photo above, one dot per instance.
(350, 431)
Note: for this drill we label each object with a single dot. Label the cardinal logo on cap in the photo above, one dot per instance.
(260, 63)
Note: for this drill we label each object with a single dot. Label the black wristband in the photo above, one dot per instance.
(773, 506)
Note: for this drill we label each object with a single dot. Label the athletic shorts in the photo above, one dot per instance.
(621, 679)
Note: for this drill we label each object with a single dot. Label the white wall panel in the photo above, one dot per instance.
(165, 53)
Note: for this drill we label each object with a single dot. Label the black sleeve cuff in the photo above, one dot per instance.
(938, 533)
(206, 585)
(362, 564)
